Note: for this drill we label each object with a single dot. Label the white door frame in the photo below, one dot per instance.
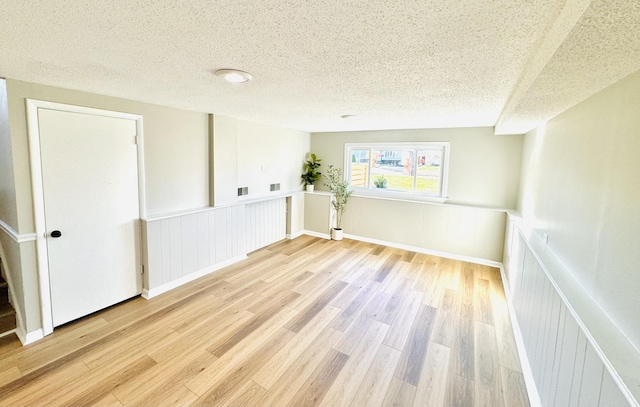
(38, 189)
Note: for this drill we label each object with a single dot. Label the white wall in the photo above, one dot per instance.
(581, 185)
(484, 169)
(255, 155)
(570, 364)
(270, 154)
(225, 160)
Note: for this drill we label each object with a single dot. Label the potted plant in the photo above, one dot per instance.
(341, 193)
(380, 182)
(311, 173)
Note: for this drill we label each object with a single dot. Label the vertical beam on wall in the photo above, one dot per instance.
(211, 163)
(225, 160)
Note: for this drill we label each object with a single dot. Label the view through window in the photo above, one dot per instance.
(408, 168)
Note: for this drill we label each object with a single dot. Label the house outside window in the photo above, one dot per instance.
(399, 170)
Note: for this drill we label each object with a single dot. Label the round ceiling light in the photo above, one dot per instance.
(233, 75)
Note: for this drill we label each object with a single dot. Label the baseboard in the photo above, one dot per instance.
(29, 337)
(154, 292)
(529, 382)
(12, 331)
(292, 236)
(453, 256)
(317, 234)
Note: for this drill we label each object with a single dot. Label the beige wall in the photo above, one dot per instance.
(176, 148)
(8, 213)
(177, 168)
(581, 185)
(484, 168)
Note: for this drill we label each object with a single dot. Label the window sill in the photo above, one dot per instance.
(399, 196)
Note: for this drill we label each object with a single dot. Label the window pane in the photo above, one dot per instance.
(359, 168)
(429, 172)
(392, 169)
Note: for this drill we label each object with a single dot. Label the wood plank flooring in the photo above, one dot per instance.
(304, 322)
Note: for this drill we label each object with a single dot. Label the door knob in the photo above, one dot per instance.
(56, 233)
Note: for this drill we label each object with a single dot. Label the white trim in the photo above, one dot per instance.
(453, 256)
(33, 134)
(292, 236)
(614, 334)
(529, 381)
(17, 237)
(170, 215)
(402, 145)
(29, 337)
(154, 292)
(317, 234)
(12, 331)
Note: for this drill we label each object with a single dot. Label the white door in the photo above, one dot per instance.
(90, 191)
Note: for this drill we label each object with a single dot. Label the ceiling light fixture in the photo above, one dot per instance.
(233, 75)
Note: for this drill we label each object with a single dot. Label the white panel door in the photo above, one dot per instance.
(90, 183)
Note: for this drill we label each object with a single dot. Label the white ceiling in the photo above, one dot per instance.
(395, 64)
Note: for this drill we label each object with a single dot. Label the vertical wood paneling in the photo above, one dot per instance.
(230, 231)
(212, 237)
(549, 346)
(578, 370)
(567, 361)
(548, 393)
(154, 252)
(591, 380)
(203, 240)
(221, 234)
(189, 237)
(240, 229)
(610, 395)
(166, 251)
(175, 237)
(266, 223)
(181, 245)
(565, 366)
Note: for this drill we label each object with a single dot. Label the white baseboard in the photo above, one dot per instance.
(453, 256)
(317, 234)
(295, 235)
(2, 335)
(529, 382)
(154, 292)
(29, 337)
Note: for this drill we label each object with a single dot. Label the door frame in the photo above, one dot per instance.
(37, 190)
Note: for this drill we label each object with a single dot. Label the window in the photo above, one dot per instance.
(410, 170)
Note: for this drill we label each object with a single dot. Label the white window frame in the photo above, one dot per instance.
(405, 195)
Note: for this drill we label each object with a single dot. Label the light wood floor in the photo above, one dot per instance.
(307, 322)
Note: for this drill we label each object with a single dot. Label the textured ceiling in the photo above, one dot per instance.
(395, 64)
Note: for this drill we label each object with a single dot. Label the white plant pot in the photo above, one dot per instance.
(310, 188)
(336, 234)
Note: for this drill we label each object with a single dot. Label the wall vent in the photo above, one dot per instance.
(242, 191)
(274, 187)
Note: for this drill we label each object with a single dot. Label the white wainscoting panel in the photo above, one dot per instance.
(185, 246)
(461, 230)
(567, 368)
(266, 223)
